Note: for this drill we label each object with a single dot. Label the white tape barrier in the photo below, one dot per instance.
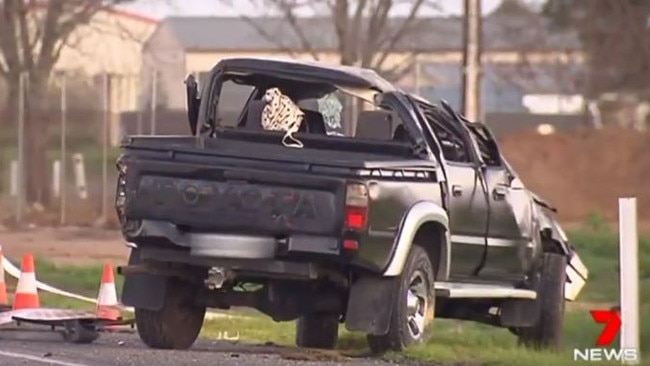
(14, 272)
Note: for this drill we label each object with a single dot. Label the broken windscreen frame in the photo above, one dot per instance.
(315, 81)
(338, 106)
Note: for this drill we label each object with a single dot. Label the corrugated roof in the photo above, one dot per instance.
(432, 33)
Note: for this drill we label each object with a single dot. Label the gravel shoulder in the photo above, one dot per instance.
(66, 246)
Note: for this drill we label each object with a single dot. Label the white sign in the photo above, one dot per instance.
(553, 103)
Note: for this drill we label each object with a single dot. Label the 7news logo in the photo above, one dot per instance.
(612, 321)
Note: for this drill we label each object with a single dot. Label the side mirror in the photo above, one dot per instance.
(193, 102)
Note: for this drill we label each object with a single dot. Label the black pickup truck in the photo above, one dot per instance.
(390, 211)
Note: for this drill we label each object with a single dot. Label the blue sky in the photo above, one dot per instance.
(162, 8)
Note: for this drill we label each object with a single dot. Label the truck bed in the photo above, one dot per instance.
(234, 186)
(333, 155)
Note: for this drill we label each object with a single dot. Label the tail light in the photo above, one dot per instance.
(356, 206)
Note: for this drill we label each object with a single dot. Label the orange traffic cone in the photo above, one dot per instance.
(4, 300)
(107, 305)
(26, 296)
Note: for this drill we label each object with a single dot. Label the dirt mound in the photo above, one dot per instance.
(584, 172)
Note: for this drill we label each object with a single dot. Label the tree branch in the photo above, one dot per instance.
(377, 22)
(9, 40)
(21, 18)
(287, 7)
(268, 36)
(339, 15)
(32, 35)
(614, 36)
(392, 41)
(401, 69)
(362, 27)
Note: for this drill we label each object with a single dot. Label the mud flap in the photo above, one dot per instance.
(370, 306)
(143, 291)
(519, 313)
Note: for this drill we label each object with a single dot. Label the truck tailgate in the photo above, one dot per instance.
(223, 198)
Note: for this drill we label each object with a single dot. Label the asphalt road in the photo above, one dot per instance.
(48, 348)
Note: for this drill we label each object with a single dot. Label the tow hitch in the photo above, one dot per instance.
(216, 277)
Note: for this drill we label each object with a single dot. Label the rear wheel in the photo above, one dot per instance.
(413, 308)
(318, 330)
(547, 331)
(177, 324)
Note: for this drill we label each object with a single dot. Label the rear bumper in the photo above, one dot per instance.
(254, 268)
(149, 277)
(231, 246)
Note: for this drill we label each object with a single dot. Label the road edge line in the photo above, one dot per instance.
(49, 361)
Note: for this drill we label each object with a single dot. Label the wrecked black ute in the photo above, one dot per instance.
(335, 196)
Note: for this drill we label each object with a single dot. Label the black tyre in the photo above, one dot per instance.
(547, 332)
(318, 330)
(177, 324)
(80, 332)
(413, 306)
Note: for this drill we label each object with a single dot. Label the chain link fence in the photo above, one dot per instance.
(79, 128)
(82, 120)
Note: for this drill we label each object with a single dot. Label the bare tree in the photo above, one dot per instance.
(362, 32)
(545, 62)
(615, 38)
(32, 36)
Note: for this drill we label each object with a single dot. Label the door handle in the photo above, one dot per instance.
(456, 190)
(499, 191)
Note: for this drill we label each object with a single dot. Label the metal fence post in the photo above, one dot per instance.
(138, 105)
(64, 122)
(154, 100)
(139, 129)
(20, 196)
(106, 95)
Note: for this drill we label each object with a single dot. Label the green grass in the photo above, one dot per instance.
(453, 341)
(599, 251)
(82, 280)
(60, 302)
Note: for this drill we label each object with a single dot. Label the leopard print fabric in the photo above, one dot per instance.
(282, 114)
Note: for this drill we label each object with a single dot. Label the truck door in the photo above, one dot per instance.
(509, 235)
(467, 218)
(467, 205)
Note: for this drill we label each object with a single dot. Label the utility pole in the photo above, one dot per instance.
(472, 60)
